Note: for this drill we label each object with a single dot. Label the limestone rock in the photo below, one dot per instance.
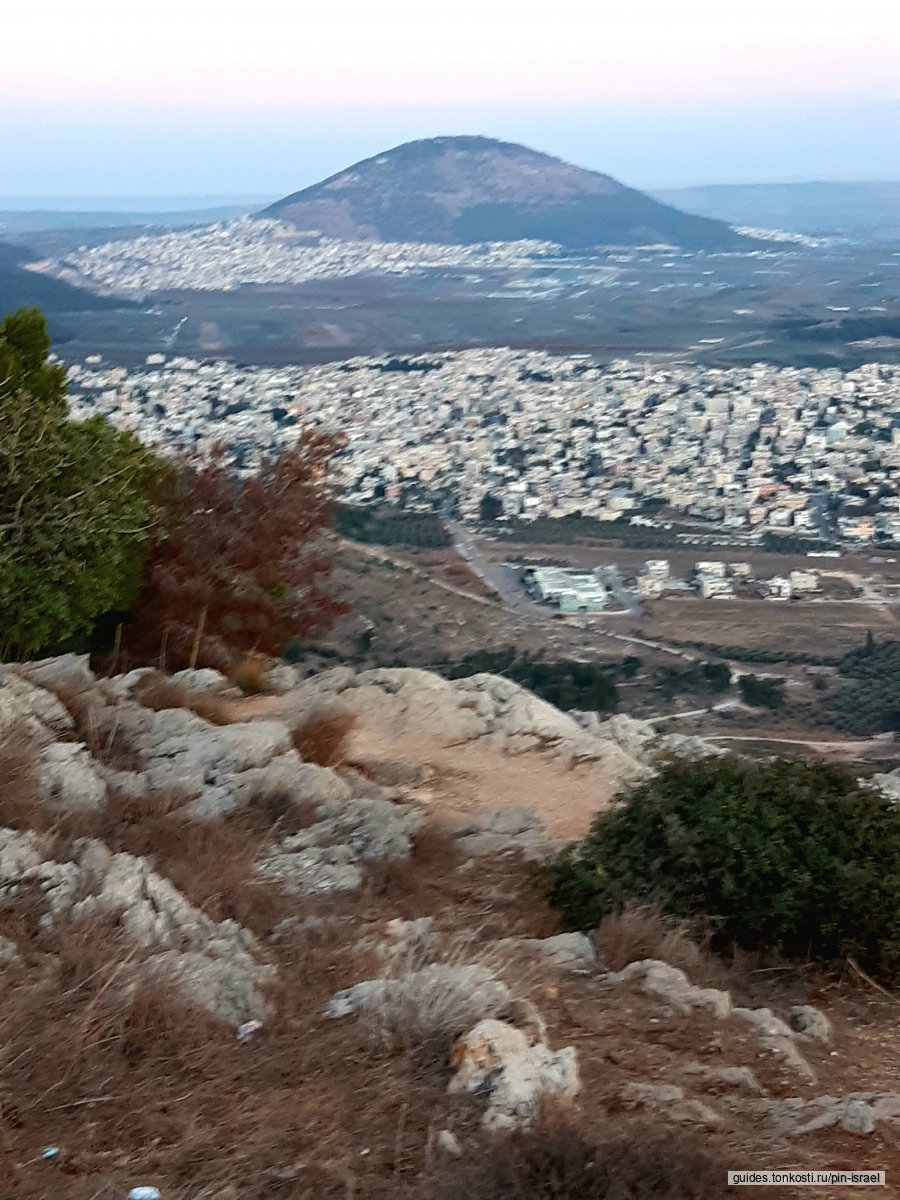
(218, 964)
(312, 871)
(810, 1023)
(31, 708)
(735, 1078)
(514, 827)
(202, 681)
(671, 1101)
(858, 1112)
(573, 951)
(778, 1037)
(448, 1143)
(496, 1062)
(280, 679)
(66, 670)
(660, 979)
(68, 777)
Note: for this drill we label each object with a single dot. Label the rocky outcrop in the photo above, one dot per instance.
(217, 965)
(669, 984)
(480, 707)
(330, 855)
(438, 998)
(859, 1113)
(511, 1074)
(69, 778)
(32, 709)
(571, 951)
(659, 979)
(513, 828)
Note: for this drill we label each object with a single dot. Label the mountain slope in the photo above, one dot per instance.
(20, 288)
(475, 189)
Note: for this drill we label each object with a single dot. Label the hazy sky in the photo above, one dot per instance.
(104, 97)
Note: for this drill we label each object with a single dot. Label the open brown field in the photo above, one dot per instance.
(818, 626)
(794, 627)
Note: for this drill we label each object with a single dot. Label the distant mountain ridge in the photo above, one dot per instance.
(861, 209)
(474, 189)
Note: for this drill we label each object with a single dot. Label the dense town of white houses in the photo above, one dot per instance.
(249, 250)
(742, 450)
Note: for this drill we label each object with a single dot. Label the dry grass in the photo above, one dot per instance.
(323, 736)
(431, 995)
(20, 804)
(555, 1162)
(158, 692)
(250, 675)
(640, 931)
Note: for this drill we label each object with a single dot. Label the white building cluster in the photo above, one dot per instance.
(741, 451)
(248, 250)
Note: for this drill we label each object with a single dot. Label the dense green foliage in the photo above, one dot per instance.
(780, 854)
(75, 500)
(390, 526)
(706, 678)
(758, 654)
(761, 692)
(565, 683)
(871, 702)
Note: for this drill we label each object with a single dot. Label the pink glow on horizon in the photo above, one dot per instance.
(198, 55)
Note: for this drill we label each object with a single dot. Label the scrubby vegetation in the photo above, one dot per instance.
(706, 678)
(761, 692)
(390, 526)
(781, 854)
(322, 736)
(871, 703)
(558, 1163)
(565, 683)
(76, 500)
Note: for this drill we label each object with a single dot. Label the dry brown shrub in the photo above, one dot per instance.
(77, 700)
(640, 931)
(20, 802)
(158, 691)
(250, 675)
(556, 1162)
(212, 708)
(322, 736)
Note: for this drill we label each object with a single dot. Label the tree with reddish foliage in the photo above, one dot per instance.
(244, 563)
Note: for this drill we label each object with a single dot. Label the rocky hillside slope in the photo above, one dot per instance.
(476, 189)
(229, 971)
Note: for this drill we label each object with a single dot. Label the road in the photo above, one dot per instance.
(492, 576)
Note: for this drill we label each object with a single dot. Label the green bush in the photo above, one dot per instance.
(781, 855)
(761, 692)
(76, 501)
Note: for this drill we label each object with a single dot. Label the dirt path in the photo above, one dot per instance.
(474, 778)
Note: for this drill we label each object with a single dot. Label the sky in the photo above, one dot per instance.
(211, 97)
